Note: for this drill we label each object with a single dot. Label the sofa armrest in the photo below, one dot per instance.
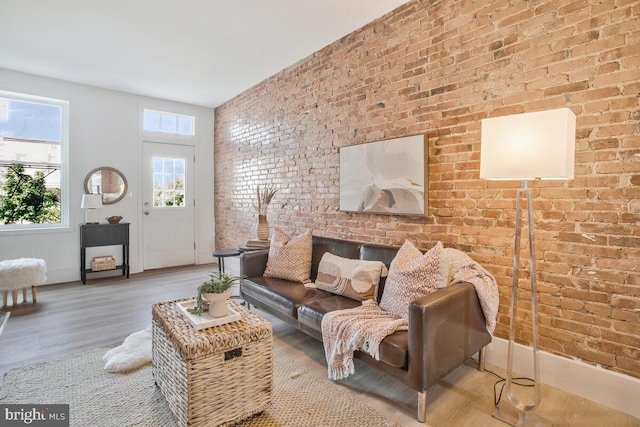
(253, 264)
(446, 328)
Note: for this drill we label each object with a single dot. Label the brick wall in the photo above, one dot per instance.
(439, 67)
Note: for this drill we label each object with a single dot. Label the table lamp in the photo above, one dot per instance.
(525, 147)
(90, 202)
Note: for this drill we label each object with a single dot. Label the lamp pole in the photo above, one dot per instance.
(515, 412)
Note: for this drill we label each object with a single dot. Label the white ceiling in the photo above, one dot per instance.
(201, 52)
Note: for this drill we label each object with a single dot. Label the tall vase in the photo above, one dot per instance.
(262, 230)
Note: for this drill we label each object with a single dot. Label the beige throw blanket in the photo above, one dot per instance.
(361, 328)
(464, 269)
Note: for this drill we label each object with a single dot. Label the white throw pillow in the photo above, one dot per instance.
(133, 353)
(354, 278)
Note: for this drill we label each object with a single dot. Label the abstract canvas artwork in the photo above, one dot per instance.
(385, 177)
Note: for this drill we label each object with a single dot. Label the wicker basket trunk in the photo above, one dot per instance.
(216, 376)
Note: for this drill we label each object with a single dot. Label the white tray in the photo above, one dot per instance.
(206, 321)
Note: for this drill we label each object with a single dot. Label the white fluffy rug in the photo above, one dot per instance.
(133, 353)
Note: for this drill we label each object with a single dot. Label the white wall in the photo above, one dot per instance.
(594, 383)
(104, 131)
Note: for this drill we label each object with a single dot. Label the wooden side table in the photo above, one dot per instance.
(213, 376)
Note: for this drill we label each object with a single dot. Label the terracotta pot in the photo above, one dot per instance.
(218, 303)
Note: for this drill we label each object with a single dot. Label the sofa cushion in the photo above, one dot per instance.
(283, 296)
(310, 314)
(393, 349)
(411, 276)
(289, 258)
(353, 278)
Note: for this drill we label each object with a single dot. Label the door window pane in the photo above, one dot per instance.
(168, 182)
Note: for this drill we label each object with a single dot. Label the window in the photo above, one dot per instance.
(168, 182)
(33, 140)
(176, 124)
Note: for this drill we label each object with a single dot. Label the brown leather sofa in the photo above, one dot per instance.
(446, 327)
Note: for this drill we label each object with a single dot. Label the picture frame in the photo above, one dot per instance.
(385, 177)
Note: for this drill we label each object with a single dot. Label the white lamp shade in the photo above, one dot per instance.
(528, 146)
(91, 201)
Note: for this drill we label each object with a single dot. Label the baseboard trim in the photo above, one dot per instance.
(608, 388)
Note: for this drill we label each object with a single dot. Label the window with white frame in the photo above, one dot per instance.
(168, 182)
(170, 123)
(33, 141)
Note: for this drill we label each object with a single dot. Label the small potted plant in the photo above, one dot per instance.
(216, 290)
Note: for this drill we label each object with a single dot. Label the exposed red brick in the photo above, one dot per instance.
(439, 68)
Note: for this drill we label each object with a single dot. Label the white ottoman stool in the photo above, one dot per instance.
(21, 273)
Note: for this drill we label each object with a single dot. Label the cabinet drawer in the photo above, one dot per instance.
(104, 234)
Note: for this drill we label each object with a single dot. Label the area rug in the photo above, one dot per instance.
(97, 398)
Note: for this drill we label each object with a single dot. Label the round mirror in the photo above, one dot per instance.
(107, 181)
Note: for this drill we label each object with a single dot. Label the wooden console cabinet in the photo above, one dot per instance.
(104, 235)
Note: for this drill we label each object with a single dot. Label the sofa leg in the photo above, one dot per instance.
(422, 406)
(481, 358)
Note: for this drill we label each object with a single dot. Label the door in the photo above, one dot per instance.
(168, 220)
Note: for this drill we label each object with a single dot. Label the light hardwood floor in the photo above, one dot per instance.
(71, 317)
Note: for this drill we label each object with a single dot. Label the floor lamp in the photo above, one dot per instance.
(525, 147)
